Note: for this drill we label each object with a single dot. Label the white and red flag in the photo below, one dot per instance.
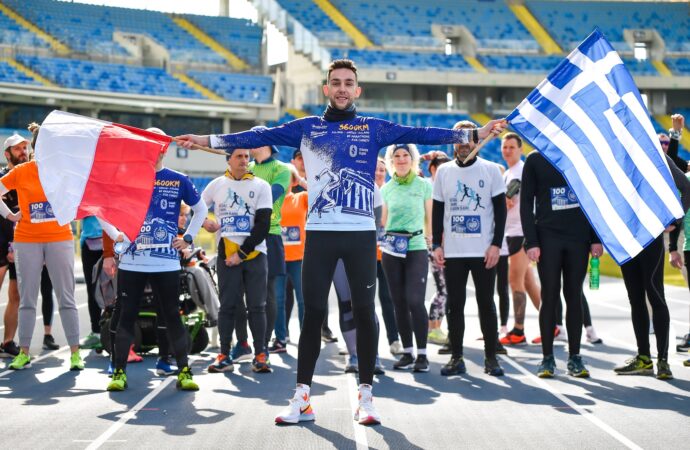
(90, 167)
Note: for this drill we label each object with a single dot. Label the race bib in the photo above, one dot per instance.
(466, 226)
(235, 226)
(153, 235)
(41, 212)
(290, 235)
(563, 198)
(395, 244)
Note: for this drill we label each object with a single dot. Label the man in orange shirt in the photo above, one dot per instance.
(39, 240)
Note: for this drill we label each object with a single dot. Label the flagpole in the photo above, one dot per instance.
(215, 151)
(479, 147)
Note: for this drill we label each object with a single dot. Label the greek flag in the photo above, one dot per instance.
(588, 119)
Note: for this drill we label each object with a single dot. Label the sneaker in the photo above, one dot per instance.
(576, 367)
(119, 381)
(663, 371)
(639, 365)
(299, 410)
(592, 337)
(492, 367)
(455, 366)
(560, 334)
(49, 343)
(437, 336)
(241, 351)
(378, 367)
(396, 348)
(277, 347)
(500, 349)
(9, 350)
(686, 363)
(446, 349)
(405, 362)
(90, 342)
(222, 363)
(684, 346)
(165, 367)
(21, 361)
(366, 413)
(261, 364)
(185, 381)
(327, 335)
(132, 357)
(75, 361)
(556, 332)
(352, 365)
(511, 338)
(547, 367)
(503, 330)
(421, 364)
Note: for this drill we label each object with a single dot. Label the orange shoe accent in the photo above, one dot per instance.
(537, 340)
(513, 339)
(133, 357)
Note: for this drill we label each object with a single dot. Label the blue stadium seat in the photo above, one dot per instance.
(11, 33)
(408, 22)
(404, 60)
(89, 28)
(240, 36)
(316, 21)
(9, 74)
(679, 66)
(96, 76)
(570, 22)
(237, 87)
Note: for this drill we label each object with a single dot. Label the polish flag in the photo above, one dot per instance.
(90, 167)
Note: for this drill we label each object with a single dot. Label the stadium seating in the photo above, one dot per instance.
(89, 28)
(76, 74)
(242, 37)
(521, 64)
(404, 60)
(9, 74)
(408, 22)
(570, 22)
(11, 33)
(679, 66)
(316, 21)
(237, 87)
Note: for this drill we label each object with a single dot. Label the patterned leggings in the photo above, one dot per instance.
(437, 310)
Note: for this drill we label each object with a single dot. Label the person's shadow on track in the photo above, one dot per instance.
(394, 438)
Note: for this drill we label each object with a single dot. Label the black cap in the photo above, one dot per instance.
(296, 153)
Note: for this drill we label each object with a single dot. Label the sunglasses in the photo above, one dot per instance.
(665, 142)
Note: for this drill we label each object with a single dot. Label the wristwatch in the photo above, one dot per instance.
(188, 239)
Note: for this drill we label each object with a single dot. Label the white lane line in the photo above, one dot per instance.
(582, 411)
(39, 317)
(627, 309)
(35, 360)
(131, 414)
(360, 431)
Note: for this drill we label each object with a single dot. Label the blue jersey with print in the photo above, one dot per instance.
(340, 161)
(152, 250)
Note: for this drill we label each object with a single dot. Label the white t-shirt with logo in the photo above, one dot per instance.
(513, 224)
(468, 216)
(235, 205)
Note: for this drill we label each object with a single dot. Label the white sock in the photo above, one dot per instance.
(408, 350)
(303, 388)
(365, 387)
(421, 351)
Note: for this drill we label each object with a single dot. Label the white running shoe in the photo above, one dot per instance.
(299, 410)
(366, 413)
(396, 348)
(592, 336)
(561, 335)
(503, 330)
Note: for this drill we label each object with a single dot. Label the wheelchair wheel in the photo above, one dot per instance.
(199, 342)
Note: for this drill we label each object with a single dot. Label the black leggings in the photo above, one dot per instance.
(586, 316)
(46, 298)
(130, 287)
(407, 284)
(322, 250)
(560, 257)
(644, 274)
(502, 287)
(387, 308)
(456, 272)
(161, 330)
(89, 258)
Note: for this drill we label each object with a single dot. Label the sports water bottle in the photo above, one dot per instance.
(594, 272)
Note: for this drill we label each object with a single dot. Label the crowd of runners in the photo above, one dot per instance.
(286, 232)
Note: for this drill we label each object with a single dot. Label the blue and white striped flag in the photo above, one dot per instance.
(588, 119)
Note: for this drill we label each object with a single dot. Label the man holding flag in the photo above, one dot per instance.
(588, 120)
